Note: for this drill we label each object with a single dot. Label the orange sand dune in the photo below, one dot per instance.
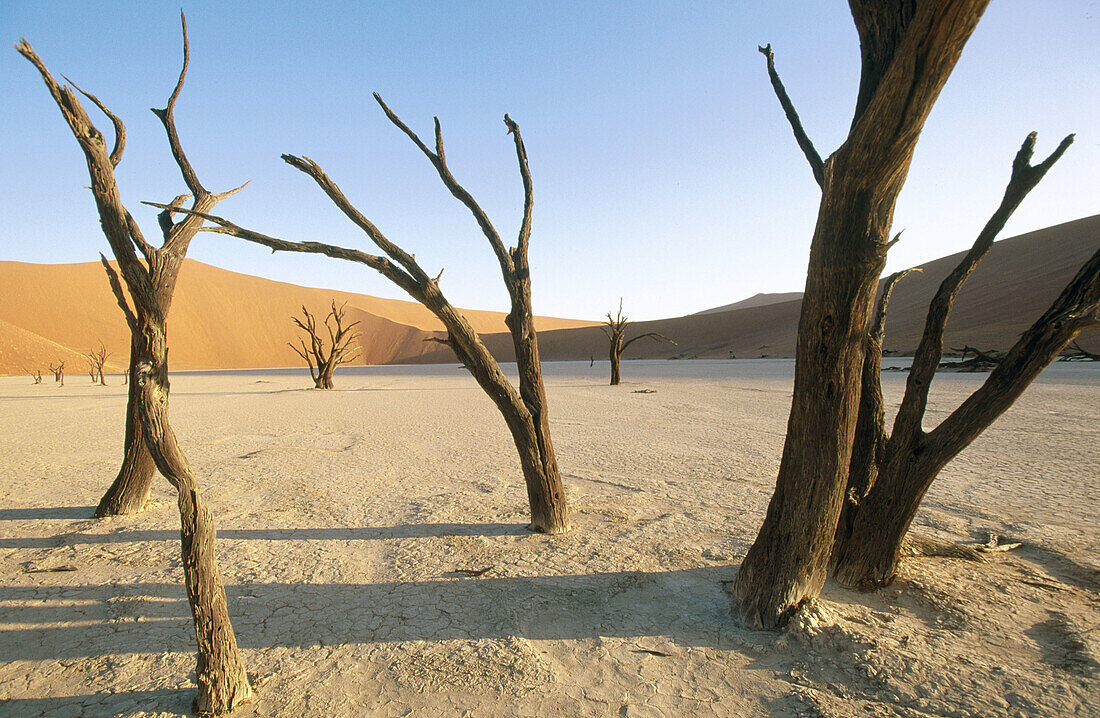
(222, 319)
(1009, 290)
(219, 319)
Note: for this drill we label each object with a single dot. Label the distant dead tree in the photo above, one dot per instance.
(615, 329)
(907, 50)
(220, 674)
(58, 372)
(525, 411)
(886, 486)
(322, 360)
(36, 374)
(96, 359)
(1080, 354)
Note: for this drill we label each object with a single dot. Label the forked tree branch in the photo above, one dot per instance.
(391, 271)
(1074, 310)
(929, 352)
(800, 136)
(120, 128)
(167, 119)
(439, 161)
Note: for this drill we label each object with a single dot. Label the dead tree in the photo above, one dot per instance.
(881, 509)
(908, 50)
(1080, 354)
(36, 374)
(323, 361)
(96, 359)
(58, 372)
(220, 674)
(615, 329)
(525, 411)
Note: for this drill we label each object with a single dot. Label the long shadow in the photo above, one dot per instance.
(165, 700)
(49, 512)
(689, 606)
(398, 531)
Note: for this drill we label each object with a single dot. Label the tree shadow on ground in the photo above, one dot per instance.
(65, 621)
(366, 533)
(173, 701)
(47, 513)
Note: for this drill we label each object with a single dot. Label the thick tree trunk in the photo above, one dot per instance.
(222, 681)
(869, 556)
(787, 562)
(615, 377)
(908, 51)
(130, 491)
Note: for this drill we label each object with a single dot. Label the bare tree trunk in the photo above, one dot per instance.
(869, 557)
(525, 411)
(129, 493)
(615, 330)
(869, 543)
(222, 681)
(869, 443)
(907, 51)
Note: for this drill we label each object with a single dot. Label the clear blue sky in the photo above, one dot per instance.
(664, 171)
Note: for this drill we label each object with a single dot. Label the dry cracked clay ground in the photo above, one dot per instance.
(374, 554)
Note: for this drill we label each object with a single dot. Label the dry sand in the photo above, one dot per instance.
(346, 517)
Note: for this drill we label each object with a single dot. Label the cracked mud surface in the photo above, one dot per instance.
(375, 559)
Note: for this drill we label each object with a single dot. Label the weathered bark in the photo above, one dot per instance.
(525, 411)
(322, 361)
(908, 51)
(222, 681)
(129, 492)
(869, 442)
(615, 329)
(867, 552)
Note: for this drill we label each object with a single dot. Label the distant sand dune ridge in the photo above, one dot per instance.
(224, 320)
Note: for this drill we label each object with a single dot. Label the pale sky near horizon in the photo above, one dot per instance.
(664, 171)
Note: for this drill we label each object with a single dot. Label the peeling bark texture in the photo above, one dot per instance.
(908, 50)
(129, 492)
(867, 555)
(222, 681)
(524, 410)
(322, 361)
(615, 330)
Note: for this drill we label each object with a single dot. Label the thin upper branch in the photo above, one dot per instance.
(878, 324)
(653, 335)
(929, 352)
(330, 188)
(520, 254)
(439, 161)
(381, 264)
(167, 119)
(800, 136)
(120, 128)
